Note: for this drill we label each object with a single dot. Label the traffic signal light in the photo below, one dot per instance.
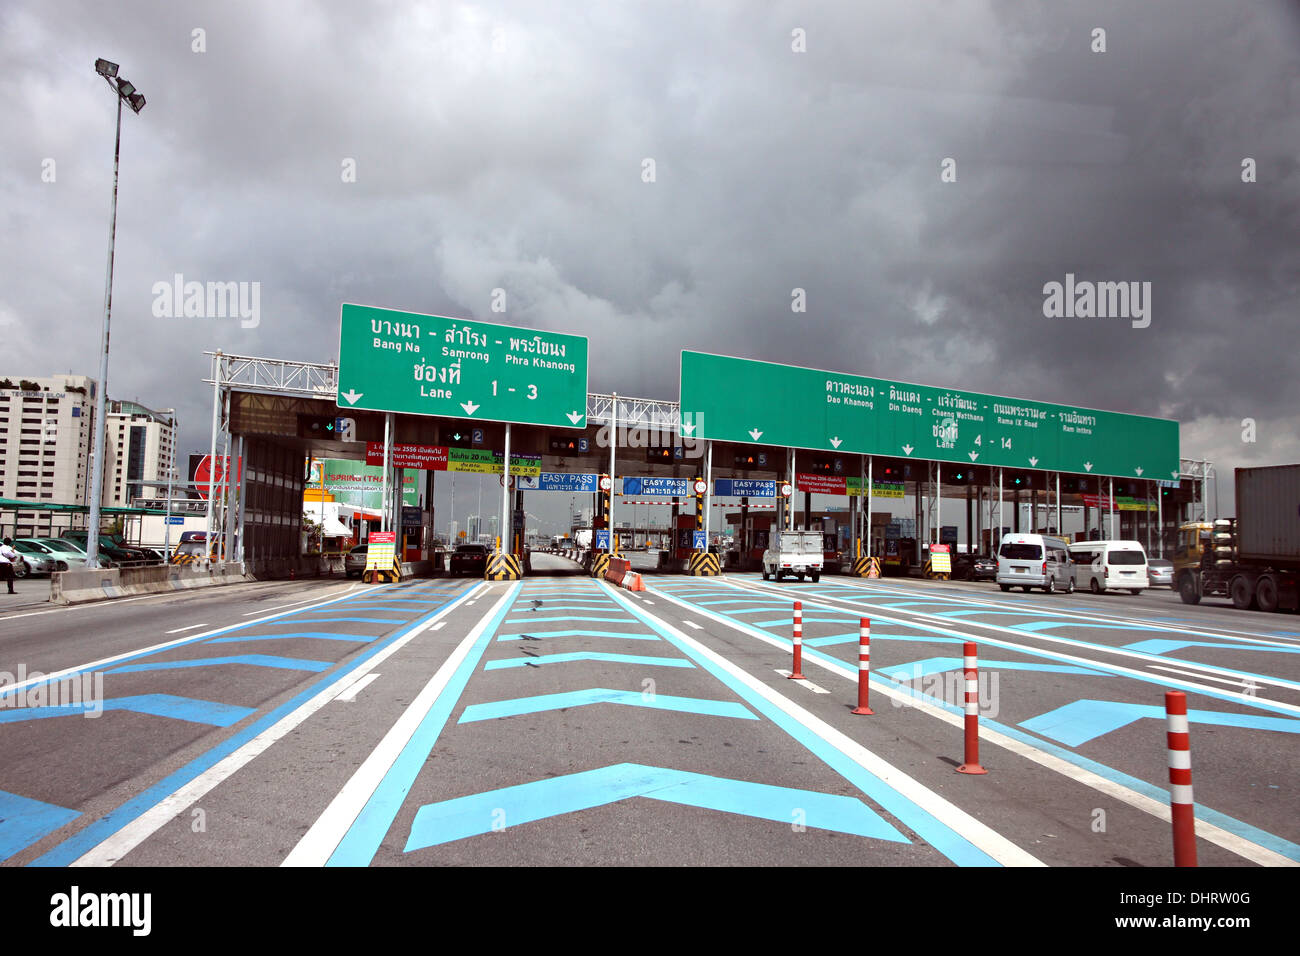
(322, 427)
(458, 436)
(660, 453)
(745, 460)
(821, 466)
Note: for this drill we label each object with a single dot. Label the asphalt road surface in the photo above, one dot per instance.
(564, 721)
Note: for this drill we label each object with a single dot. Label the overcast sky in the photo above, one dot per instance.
(795, 145)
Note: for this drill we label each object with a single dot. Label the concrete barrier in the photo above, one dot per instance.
(80, 587)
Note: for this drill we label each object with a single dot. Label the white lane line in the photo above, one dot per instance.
(281, 607)
(691, 624)
(323, 838)
(190, 628)
(160, 814)
(1221, 680)
(350, 692)
(949, 814)
(907, 698)
(439, 626)
(804, 683)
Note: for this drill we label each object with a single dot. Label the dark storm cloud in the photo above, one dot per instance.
(501, 146)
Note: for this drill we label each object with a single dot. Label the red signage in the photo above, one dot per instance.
(383, 537)
(939, 548)
(821, 484)
(424, 457)
(201, 476)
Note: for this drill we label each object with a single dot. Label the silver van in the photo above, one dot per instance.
(1035, 561)
(1099, 565)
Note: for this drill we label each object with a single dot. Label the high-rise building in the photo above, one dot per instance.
(45, 442)
(141, 452)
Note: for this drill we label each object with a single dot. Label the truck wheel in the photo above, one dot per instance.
(1005, 587)
(1134, 591)
(765, 573)
(1266, 593)
(1187, 589)
(1243, 593)
(801, 575)
(816, 576)
(1027, 589)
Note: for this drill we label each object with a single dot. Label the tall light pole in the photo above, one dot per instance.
(125, 91)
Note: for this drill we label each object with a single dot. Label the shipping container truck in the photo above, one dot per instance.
(1253, 559)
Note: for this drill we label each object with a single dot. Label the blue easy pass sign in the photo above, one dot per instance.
(677, 487)
(744, 488)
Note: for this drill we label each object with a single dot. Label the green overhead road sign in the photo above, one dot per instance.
(432, 365)
(741, 400)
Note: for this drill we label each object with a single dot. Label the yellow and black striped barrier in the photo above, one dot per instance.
(703, 564)
(929, 572)
(599, 565)
(866, 567)
(383, 575)
(502, 566)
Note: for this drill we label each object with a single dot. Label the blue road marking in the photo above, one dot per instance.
(933, 831)
(252, 660)
(1163, 646)
(23, 821)
(531, 619)
(603, 695)
(358, 620)
(359, 845)
(158, 705)
(764, 601)
(545, 634)
(1036, 626)
(638, 659)
(989, 613)
(938, 665)
(438, 823)
(320, 635)
(568, 607)
(82, 841)
(853, 638)
(1084, 720)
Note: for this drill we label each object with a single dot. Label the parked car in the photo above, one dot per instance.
(974, 567)
(1034, 561)
(1160, 572)
(33, 561)
(109, 548)
(469, 559)
(63, 559)
(354, 562)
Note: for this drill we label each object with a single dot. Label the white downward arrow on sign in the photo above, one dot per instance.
(836, 442)
(755, 434)
(973, 455)
(1174, 473)
(687, 429)
(351, 396)
(907, 449)
(1139, 471)
(470, 407)
(574, 417)
(1087, 466)
(1033, 461)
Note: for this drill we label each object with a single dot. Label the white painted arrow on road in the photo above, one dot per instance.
(350, 396)
(755, 434)
(835, 442)
(470, 407)
(574, 417)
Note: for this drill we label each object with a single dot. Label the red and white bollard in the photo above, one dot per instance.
(864, 666)
(1181, 809)
(971, 673)
(797, 673)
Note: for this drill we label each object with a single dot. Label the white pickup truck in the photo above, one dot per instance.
(797, 553)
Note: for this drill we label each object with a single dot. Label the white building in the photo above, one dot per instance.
(45, 441)
(141, 452)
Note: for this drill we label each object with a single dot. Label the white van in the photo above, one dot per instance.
(1034, 561)
(1099, 565)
